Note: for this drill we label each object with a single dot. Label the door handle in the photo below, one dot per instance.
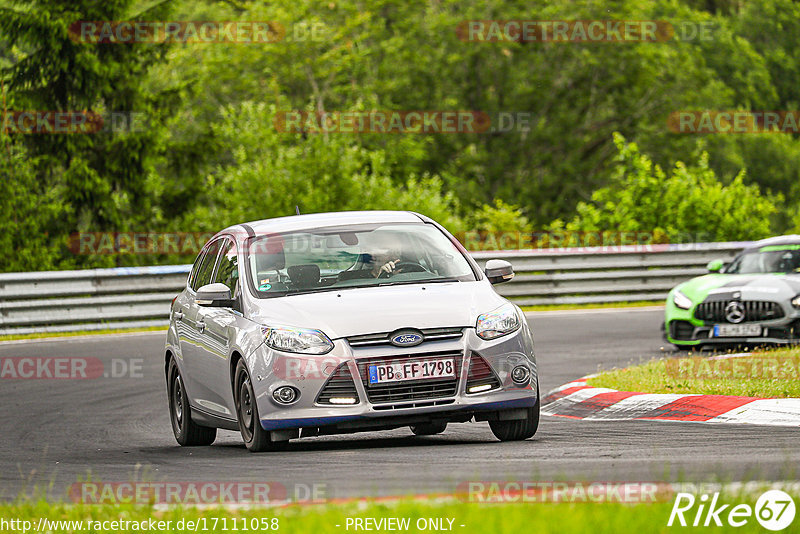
(200, 325)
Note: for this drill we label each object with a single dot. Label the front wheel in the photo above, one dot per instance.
(187, 432)
(255, 437)
(518, 429)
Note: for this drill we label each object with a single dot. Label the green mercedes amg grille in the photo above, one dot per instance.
(746, 311)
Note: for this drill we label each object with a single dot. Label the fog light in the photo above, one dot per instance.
(285, 395)
(342, 400)
(520, 375)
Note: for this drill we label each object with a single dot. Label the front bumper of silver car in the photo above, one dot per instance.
(333, 393)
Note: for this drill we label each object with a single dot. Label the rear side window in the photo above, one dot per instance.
(206, 269)
(228, 270)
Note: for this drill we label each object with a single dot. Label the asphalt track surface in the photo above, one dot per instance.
(56, 432)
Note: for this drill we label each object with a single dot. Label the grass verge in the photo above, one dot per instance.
(44, 335)
(467, 518)
(764, 373)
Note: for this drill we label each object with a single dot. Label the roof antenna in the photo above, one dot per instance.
(297, 210)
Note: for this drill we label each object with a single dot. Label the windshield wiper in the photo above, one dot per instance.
(310, 290)
(431, 281)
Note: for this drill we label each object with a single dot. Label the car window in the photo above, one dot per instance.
(228, 270)
(206, 269)
(771, 259)
(354, 256)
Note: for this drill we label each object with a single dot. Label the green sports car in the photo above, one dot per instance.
(753, 300)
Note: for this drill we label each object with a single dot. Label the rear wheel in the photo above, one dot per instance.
(518, 429)
(428, 429)
(255, 437)
(187, 432)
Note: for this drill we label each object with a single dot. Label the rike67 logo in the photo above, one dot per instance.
(774, 510)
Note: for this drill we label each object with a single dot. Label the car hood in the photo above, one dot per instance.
(775, 287)
(350, 312)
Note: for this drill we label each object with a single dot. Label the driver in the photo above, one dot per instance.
(385, 261)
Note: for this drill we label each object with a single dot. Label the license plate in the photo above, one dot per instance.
(737, 330)
(412, 370)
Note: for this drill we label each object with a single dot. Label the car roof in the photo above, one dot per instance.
(778, 240)
(296, 223)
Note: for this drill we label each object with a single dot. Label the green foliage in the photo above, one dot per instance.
(688, 202)
(499, 217)
(270, 173)
(210, 155)
(104, 180)
(25, 209)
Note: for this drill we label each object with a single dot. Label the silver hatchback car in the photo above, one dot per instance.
(345, 322)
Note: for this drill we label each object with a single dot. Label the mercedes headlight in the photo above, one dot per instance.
(681, 301)
(299, 340)
(497, 323)
(796, 301)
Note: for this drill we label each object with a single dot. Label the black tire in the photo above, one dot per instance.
(428, 429)
(518, 429)
(255, 437)
(187, 432)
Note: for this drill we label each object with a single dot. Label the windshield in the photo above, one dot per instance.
(354, 256)
(772, 259)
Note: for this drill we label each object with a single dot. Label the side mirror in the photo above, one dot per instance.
(498, 271)
(715, 266)
(215, 296)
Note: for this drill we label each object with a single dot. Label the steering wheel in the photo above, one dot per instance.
(405, 266)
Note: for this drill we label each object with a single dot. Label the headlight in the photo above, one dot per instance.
(499, 322)
(796, 301)
(300, 340)
(682, 301)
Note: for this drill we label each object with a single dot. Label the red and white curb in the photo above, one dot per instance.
(577, 400)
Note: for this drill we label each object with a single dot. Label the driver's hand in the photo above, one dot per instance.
(389, 267)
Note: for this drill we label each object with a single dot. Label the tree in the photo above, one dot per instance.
(105, 179)
(270, 173)
(686, 204)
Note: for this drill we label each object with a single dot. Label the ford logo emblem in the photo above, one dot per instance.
(407, 338)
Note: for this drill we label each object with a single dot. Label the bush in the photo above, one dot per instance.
(688, 203)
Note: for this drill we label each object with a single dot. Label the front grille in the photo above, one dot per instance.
(339, 385)
(427, 388)
(384, 338)
(481, 374)
(754, 311)
(681, 330)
